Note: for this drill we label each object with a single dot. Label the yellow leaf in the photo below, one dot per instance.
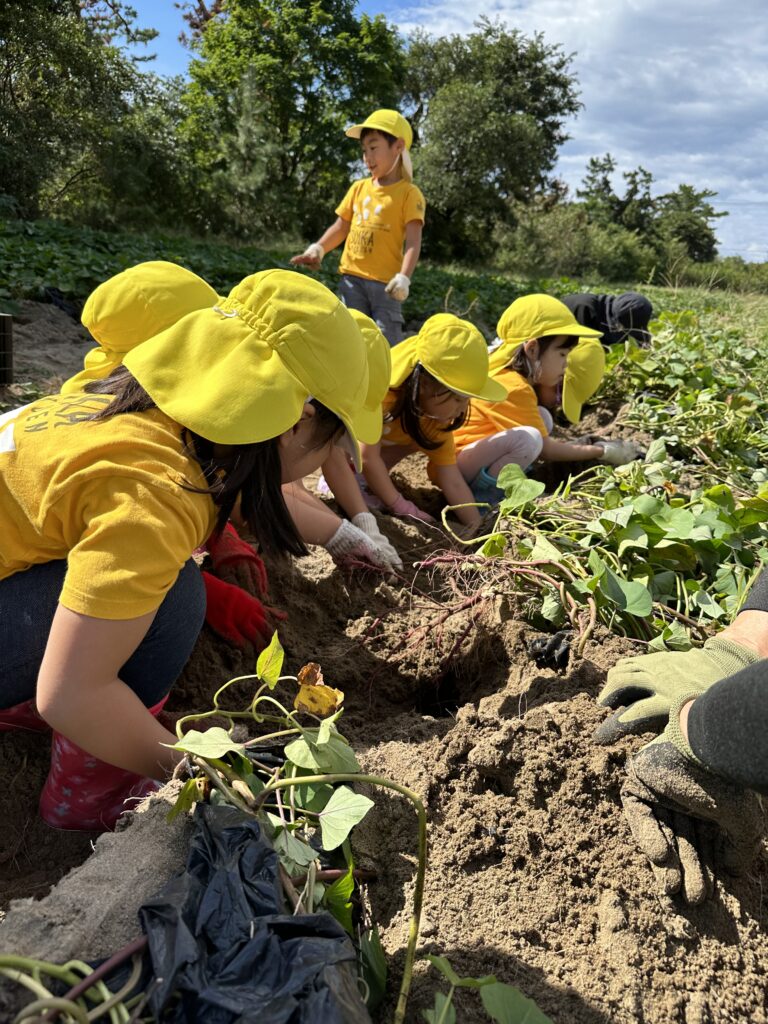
(318, 699)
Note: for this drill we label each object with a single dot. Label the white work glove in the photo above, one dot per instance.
(366, 522)
(619, 453)
(399, 287)
(311, 257)
(349, 547)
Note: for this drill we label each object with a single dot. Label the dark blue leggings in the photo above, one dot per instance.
(28, 601)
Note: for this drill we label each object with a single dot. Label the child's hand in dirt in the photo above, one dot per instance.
(686, 820)
(641, 690)
(366, 522)
(404, 508)
(351, 548)
(235, 560)
(619, 453)
(235, 615)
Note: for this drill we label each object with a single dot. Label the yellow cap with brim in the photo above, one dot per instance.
(389, 121)
(534, 316)
(393, 123)
(454, 352)
(241, 371)
(132, 306)
(583, 373)
(368, 422)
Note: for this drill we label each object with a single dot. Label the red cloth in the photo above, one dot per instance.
(228, 550)
(234, 614)
(23, 716)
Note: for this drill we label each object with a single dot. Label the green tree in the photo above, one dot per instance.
(685, 215)
(286, 77)
(64, 83)
(489, 110)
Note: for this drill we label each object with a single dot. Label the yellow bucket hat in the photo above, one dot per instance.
(240, 371)
(393, 123)
(534, 316)
(368, 422)
(132, 306)
(454, 352)
(583, 373)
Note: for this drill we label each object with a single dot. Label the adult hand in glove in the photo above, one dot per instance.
(404, 508)
(398, 287)
(235, 615)
(644, 688)
(312, 257)
(235, 560)
(351, 548)
(366, 522)
(619, 453)
(687, 821)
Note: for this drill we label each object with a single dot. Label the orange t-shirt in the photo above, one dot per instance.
(393, 436)
(519, 409)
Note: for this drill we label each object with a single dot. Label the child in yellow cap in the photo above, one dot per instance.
(434, 376)
(377, 216)
(105, 494)
(357, 542)
(536, 334)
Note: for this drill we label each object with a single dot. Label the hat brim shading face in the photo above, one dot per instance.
(535, 316)
(389, 121)
(454, 352)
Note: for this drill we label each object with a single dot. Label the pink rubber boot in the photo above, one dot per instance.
(84, 793)
(23, 716)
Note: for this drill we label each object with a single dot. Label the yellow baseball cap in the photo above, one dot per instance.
(583, 373)
(132, 306)
(240, 371)
(534, 316)
(395, 124)
(368, 422)
(384, 121)
(454, 352)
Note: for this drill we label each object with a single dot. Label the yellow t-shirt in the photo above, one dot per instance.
(107, 496)
(393, 435)
(519, 409)
(378, 215)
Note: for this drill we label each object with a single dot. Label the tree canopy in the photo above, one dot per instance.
(252, 143)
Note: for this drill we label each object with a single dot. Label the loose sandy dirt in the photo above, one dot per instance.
(533, 874)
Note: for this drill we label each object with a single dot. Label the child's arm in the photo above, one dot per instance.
(312, 256)
(80, 694)
(400, 285)
(350, 544)
(314, 521)
(568, 451)
(341, 480)
(413, 230)
(377, 475)
(457, 492)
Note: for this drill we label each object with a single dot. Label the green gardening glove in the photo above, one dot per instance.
(643, 688)
(687, 821)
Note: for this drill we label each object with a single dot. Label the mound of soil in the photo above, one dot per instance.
(533, 874)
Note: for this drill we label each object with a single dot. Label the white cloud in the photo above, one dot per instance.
(677, 86)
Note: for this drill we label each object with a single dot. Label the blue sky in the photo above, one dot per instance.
(678, 86)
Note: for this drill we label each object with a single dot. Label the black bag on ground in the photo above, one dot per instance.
(220, 940)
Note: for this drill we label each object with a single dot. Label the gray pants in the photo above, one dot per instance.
(370, 298)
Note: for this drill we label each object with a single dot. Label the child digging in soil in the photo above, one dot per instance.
(104, 496)
(536, 334)
(120, 314)
(376, 217)
(434, 376)
(357, 542)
